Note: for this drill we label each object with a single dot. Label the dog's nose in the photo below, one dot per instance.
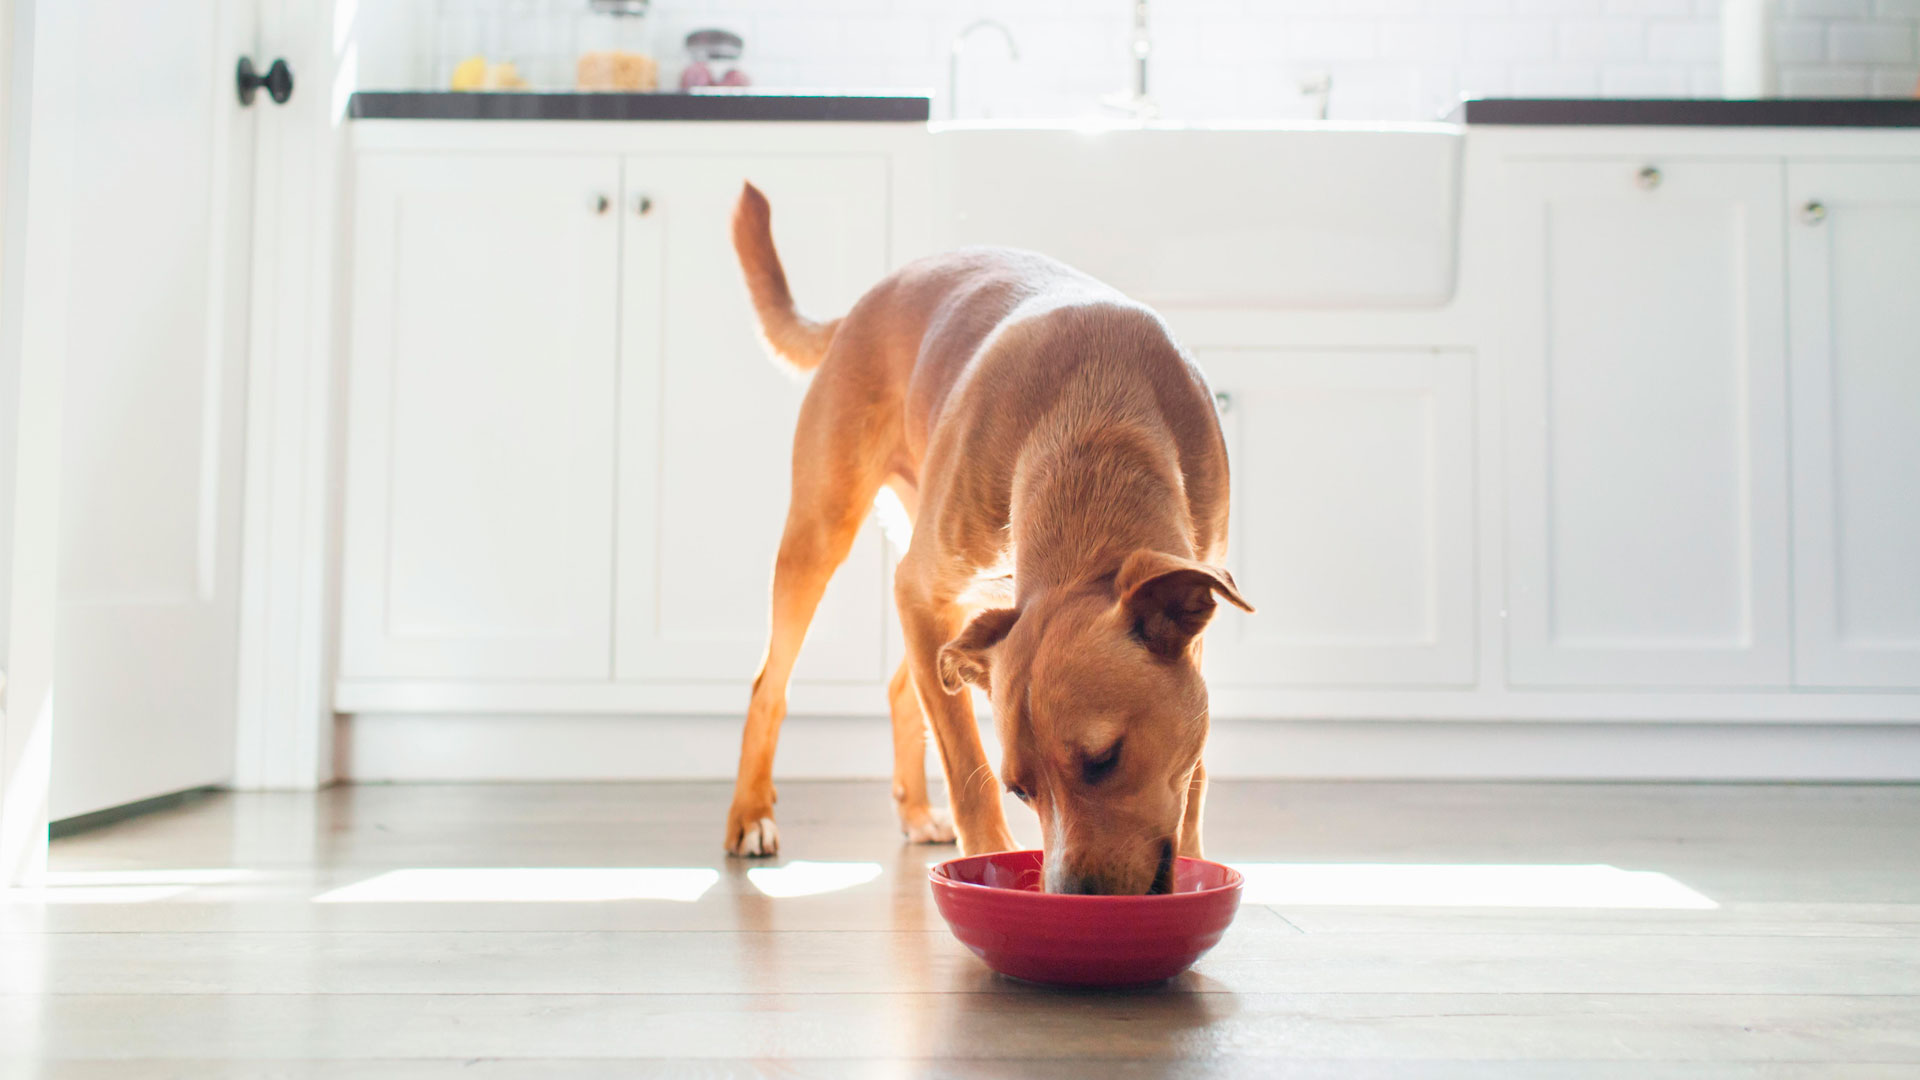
(1085, 885)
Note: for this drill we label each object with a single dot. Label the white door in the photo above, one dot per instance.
(1853, 253)
(706, 420)
(145, 687)
(1352, 518)
(480, 449)
(1646, 424)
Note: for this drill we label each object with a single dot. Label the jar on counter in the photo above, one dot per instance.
(713, 59)
(496, 44)
(614, 46)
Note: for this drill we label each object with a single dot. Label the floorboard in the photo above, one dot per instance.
(245, 936)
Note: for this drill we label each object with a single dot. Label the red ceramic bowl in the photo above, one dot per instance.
(995, 906)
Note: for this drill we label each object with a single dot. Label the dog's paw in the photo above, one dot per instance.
(754, 838)
(933, 825)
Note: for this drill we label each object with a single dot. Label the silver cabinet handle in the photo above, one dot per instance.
(643, 205)
(1223, 401)
(1814, 212)
(599, 204)
(1648, 178)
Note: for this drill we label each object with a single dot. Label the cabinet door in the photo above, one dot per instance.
(706, 419)
(1352, 525)
(479, 523)
(1853, 251)
(1646, 514)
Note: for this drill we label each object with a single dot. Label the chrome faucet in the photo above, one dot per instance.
(1320, 89)
(960, 46)
(1136, 102)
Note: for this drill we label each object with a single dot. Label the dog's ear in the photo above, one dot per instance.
(1171, 598)
(964, 659)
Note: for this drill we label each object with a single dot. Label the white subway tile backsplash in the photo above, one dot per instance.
(890, 39)
(1817, 80)
(1825, 7)
(1555, 80)
(1475, 8)
(1869, 43)
(1603, 39)
(1653, 7)
(1899, 81)
(1694, 40)
(1484, 80)
(1799, 41)
(1510, 39)
(1426, 39)
(1242, 59)
(791, 37)
(1644, 80)
(1325, 39)
(1563, 7)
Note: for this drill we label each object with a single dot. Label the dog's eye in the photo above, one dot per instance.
(1020, 793)
(1098, 768)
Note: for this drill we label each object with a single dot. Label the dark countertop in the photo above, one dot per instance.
(705, 105)
(1693, 112)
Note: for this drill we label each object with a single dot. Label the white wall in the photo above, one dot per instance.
(1245, 59)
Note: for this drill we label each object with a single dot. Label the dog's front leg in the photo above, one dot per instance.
(920, 821)
(971, 785)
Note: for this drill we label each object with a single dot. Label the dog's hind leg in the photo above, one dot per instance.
(833, 487)
(920, 820)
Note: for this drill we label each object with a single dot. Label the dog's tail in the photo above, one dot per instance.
(798, 343)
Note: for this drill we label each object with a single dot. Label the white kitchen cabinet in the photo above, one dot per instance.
(706, 419)
(1853, 256)
(1352, 518)
(1646, 424)
(479, 516)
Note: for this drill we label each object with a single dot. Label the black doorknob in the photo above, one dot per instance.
(278, 80)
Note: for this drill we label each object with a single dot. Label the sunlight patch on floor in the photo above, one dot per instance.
(526, 885)
(811, 878)
(121, 886)
(1465, 885)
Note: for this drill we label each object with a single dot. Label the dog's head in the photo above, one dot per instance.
(1102, 714)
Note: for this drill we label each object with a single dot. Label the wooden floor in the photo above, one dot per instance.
(269, 935)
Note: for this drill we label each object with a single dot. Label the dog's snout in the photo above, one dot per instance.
(1064, 877)
(1072, 881)
(1084, 885)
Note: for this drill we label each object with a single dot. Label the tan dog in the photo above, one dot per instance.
(1043, 432)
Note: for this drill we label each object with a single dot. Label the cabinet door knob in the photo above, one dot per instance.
(1648, 178)
(277, 82)
(643, 205)
(1814, 212)
(600, 204)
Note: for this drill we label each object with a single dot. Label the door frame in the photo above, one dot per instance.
(36, 166)
(289, 534)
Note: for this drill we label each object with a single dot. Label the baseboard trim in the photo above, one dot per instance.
(112, 815)
(424, 747)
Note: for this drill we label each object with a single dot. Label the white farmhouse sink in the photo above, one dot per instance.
(1291, 217)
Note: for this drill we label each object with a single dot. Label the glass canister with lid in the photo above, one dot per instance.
(614, 46)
